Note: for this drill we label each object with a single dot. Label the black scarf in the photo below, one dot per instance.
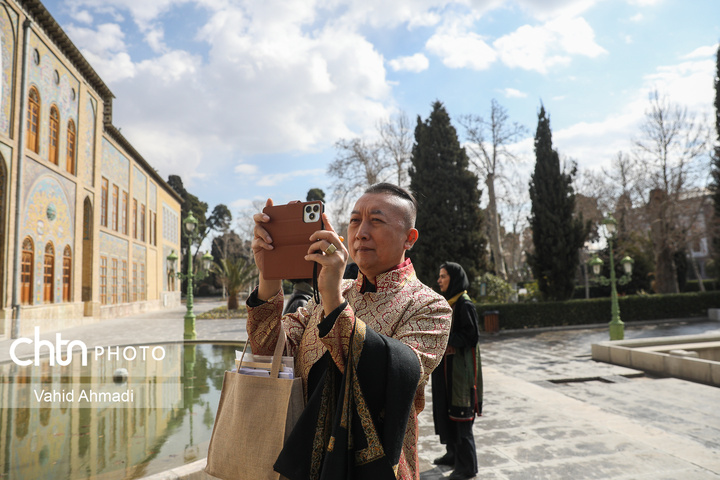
(354, 424)
(458, 279)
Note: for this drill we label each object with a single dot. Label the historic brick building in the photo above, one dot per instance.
(86, 223)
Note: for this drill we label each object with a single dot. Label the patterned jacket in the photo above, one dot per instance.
(402, 308)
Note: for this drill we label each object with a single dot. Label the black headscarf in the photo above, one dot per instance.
(458, 279)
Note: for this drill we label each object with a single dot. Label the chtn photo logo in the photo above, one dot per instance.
(56, 349)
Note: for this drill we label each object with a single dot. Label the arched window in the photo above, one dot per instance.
(26, 271)
(71, 147)
(54, 139)
(33, 120)
(48, 273)
(67, 273)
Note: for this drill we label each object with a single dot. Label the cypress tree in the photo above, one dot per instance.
(715, 170)
(449, 218)
(557, 236)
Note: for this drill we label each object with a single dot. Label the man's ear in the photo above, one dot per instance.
(412, 237)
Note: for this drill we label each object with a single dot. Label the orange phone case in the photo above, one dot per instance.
(290, 227)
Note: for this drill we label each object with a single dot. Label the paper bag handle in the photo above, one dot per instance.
(277, 355)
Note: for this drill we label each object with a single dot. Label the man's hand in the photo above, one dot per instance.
(262, 242)
(333, 264)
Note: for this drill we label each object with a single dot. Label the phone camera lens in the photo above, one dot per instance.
(311, 216)
(308, 209)
(316, 208)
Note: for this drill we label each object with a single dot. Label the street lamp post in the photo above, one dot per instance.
(190, 231)
(617, 327)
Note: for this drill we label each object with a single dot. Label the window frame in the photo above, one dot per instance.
(70, 149)
(27, 268)
(67, 274)
(103, 280)
(49, 273)
(32, 127)
(54, 135)
(115, 207)
(113, 281)
(124, 213)
(142, 222)
(124, 282)
(135, 218)
(105, 185)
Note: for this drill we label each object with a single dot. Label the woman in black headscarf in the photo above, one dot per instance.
(457, 381)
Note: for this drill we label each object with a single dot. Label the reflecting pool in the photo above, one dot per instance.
(112, 418)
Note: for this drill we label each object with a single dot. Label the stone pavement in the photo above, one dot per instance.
(550, 411)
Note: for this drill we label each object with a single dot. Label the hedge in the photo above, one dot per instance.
(597, 310)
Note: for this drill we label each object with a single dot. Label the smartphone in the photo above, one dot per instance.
(290, 227)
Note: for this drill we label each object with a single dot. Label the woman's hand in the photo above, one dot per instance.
(261, 243)
(333, 264)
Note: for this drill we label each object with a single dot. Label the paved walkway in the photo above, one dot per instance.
(550, 411)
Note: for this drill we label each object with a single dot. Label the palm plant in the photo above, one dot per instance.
(235, 275)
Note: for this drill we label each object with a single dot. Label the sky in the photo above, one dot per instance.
(245, 99)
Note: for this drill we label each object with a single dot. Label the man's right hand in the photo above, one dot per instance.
(261, 243)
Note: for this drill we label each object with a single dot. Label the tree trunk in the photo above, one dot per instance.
(233, 303)
(665, 272)
(495, 243)
(696, 270)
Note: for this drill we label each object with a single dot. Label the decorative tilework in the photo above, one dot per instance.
(113, 247)
(8, 27)
(139, 185)
(152, 200)
(115, 166)
(139, 253)
(43, 78)
(49, 217)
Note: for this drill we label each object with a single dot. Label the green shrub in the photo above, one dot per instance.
(584, 312)
(497, 289)
(693, 285)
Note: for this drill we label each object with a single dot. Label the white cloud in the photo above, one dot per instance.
(548, 9)
(278, 178)
(414, 63)
(143, 12)
(108, 38)
(154, 38)
(83, 16)
(705, 51)
(527, 48)
(514, 93)
(644, 3)
(246, 169)
(461, 50)
(637, 18)
(171, 67)
(688, 83)
(541, 47)
(266, 81)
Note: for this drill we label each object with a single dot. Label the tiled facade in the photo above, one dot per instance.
(87, 241)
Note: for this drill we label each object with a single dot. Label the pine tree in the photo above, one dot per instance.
(557, 236)
(715, 169)
(449, 218)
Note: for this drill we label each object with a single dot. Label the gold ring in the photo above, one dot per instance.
(330, 250)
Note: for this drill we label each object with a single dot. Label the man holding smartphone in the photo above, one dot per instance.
(364, 352)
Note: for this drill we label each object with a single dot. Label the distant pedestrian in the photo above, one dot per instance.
(301, 295)
(457, 381)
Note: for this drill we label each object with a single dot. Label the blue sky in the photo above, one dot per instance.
(245, 99)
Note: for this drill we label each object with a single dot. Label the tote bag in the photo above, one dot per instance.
(254, 417)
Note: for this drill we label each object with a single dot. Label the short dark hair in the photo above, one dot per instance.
(399, 192)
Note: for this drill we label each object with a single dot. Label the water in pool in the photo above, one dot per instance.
(113, 418)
